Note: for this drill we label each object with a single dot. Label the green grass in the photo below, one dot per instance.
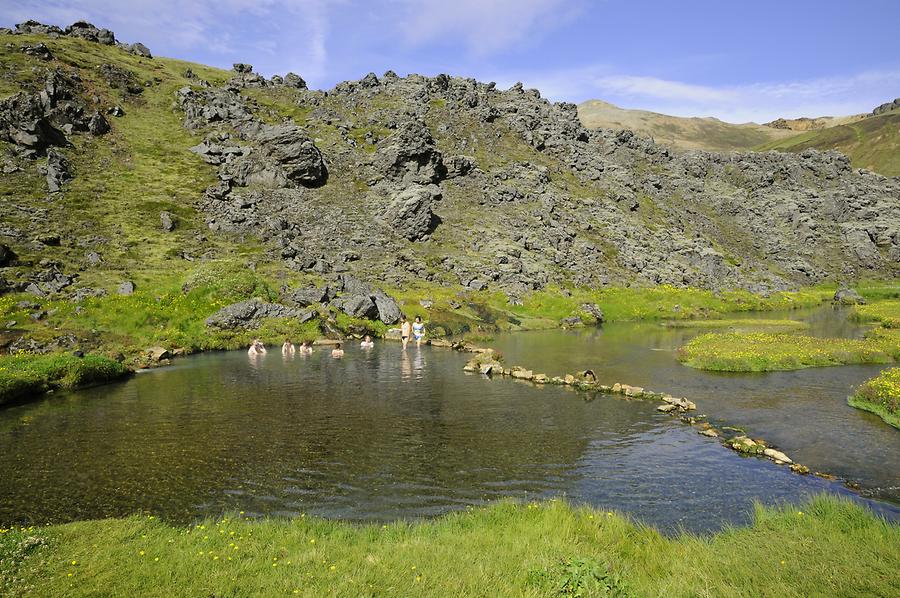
(885, 312)
(827, 546)
(23, 375)
(872, 143)
(881, 396)
(761, 352)
(740, 324)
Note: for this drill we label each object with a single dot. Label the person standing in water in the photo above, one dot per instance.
(337, 351)
(287, 348)
(256, 348)
(367, 343)
(418, 330)
(405, 331)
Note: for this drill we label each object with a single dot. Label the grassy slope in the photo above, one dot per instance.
(872, 143)
(23, 375)
(678, 132)
(826, 547)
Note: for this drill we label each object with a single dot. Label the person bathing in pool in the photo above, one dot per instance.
(405, 330)
(288, 347)
(418, 330)
(256, 348)
(367, 343)
(337, 351)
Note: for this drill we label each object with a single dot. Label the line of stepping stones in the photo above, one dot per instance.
(486, 364)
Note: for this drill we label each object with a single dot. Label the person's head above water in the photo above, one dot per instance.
(337, 346)
(367, 338)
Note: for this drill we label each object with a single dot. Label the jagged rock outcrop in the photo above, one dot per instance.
(249, 314)
(887, 107)
(57, 171)
(411, 213)
(83, 30)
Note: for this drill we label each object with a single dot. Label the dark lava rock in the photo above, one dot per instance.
(306, 296)
(410, 211)
(57, 171)
(7, 256)
(294, 80)
(249, 314)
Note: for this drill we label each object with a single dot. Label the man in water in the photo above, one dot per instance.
(288, 347)
(256, 348)
(405, 331)
(337, 351)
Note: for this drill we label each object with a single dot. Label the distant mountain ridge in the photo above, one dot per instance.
(871, 140)
(678, 132)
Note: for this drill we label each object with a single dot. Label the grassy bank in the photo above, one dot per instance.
(740, 325)
(828, 546)
(881, 396)
(885, 312)
(24, 375)
(760, 352)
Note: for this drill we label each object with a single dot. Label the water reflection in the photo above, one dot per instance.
(354, 438)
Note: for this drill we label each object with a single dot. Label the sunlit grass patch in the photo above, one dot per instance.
(760, 352)
(740, 325)
(22, 375)
(827, 546)
(881, 396)
(886, 312)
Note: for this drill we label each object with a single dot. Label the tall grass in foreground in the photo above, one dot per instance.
(827, 547)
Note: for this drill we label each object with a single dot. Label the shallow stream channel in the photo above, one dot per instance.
(385, 434)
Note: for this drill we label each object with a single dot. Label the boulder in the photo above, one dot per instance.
(126, 288)
(294, 80)
(307, 296)
(250, 313)
(98, 125)
(168, 221)
(287, 158)
(158, 353)
(410, 211)
(57, 171)
(140, 49)
(7, 256)
(357, 306)
(593, 311)
(410, 155)
(847, 296)
(777, 456)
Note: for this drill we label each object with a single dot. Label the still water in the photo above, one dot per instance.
(386, 434)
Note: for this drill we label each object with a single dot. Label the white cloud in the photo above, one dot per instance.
(757, 102)
(485, 26)
(295, 35)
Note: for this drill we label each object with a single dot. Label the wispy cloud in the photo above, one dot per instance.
(284, 34)
(757, 102)
(483, 26)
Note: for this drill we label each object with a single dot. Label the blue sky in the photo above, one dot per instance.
(739, 61)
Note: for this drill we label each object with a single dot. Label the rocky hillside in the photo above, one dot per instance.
(120, 169)
(871, 140)
(680, 133)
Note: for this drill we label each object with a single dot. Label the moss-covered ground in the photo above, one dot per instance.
(826, 547)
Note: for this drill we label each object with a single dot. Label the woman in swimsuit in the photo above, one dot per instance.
(418, 330)
(405, 329)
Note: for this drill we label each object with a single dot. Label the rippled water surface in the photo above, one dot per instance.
(384, 434)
